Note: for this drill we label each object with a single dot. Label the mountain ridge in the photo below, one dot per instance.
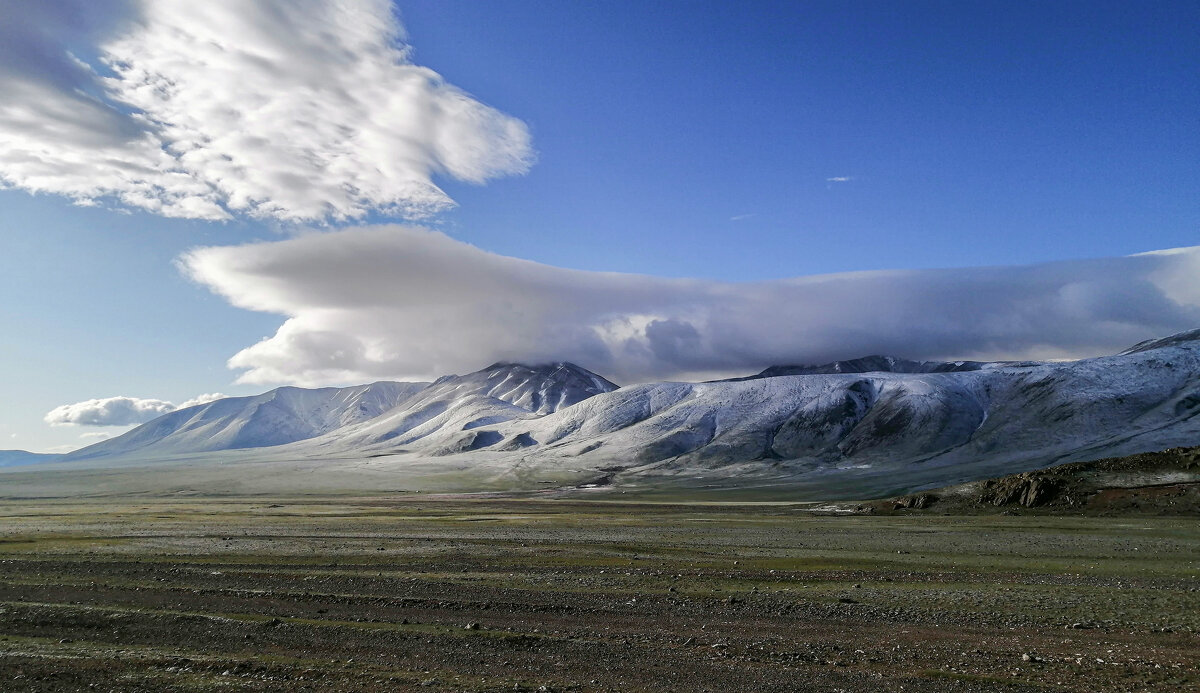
(276, 417)
(16, 458)
(290, 414)
(903, 425)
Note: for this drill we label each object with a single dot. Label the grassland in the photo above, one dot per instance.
(465, 594)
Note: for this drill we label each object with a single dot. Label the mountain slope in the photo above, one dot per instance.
(281, 416)
(449, 416)
(886, 431)
(361, 415)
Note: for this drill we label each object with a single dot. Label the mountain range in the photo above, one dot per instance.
(860, 428)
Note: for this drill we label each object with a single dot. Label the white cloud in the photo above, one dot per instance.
(287, 109)
(95, 436)
(60, 449)
(400, 302)
(840, 179)
(118, 411)
(111, 411)
(202, 399)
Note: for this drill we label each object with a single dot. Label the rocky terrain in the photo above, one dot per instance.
(409, 593)
(1160, 483)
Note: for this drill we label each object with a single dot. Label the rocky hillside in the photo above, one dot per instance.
(1161, 483)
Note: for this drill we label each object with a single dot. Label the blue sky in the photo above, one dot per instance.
(728, 142)
(974, 133)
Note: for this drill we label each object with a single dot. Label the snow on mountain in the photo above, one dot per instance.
(539, 389)
(281, 416)
(821, 418)
(866, 426)
(396, 413)
(935, 424)
(450, 414)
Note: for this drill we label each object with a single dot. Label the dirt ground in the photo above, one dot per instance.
(461, 594)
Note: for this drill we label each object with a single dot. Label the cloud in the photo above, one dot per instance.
(202, 399)
(840, 179)
(111, 411)
(95, 435)
(402, 302)
(59, 449)
(286, 109)
(118, 411)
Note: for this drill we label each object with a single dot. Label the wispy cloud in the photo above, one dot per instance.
(401, 302)
(286, 109)
(742, 217)
(839, 179)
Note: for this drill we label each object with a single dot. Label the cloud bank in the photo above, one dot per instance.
(111, 411)
(401, 302)
(286, 109)
(118, 411)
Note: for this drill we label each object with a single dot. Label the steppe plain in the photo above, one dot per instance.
(482, 593)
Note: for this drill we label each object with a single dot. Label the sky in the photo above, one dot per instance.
(206, 199)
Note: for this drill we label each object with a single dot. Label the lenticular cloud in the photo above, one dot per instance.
(401, 302)
(285, 109)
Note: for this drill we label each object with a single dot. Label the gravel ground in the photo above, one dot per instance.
(455, 594)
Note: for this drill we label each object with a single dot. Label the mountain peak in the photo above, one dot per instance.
(540, 367)
(541, 388)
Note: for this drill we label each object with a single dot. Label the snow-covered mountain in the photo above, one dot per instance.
(459, 413)
(899, 429)
(281, 416)
(869, 426)
(539, 389)
(383, 411)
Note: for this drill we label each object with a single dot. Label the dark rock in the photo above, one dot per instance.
(918, 501)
